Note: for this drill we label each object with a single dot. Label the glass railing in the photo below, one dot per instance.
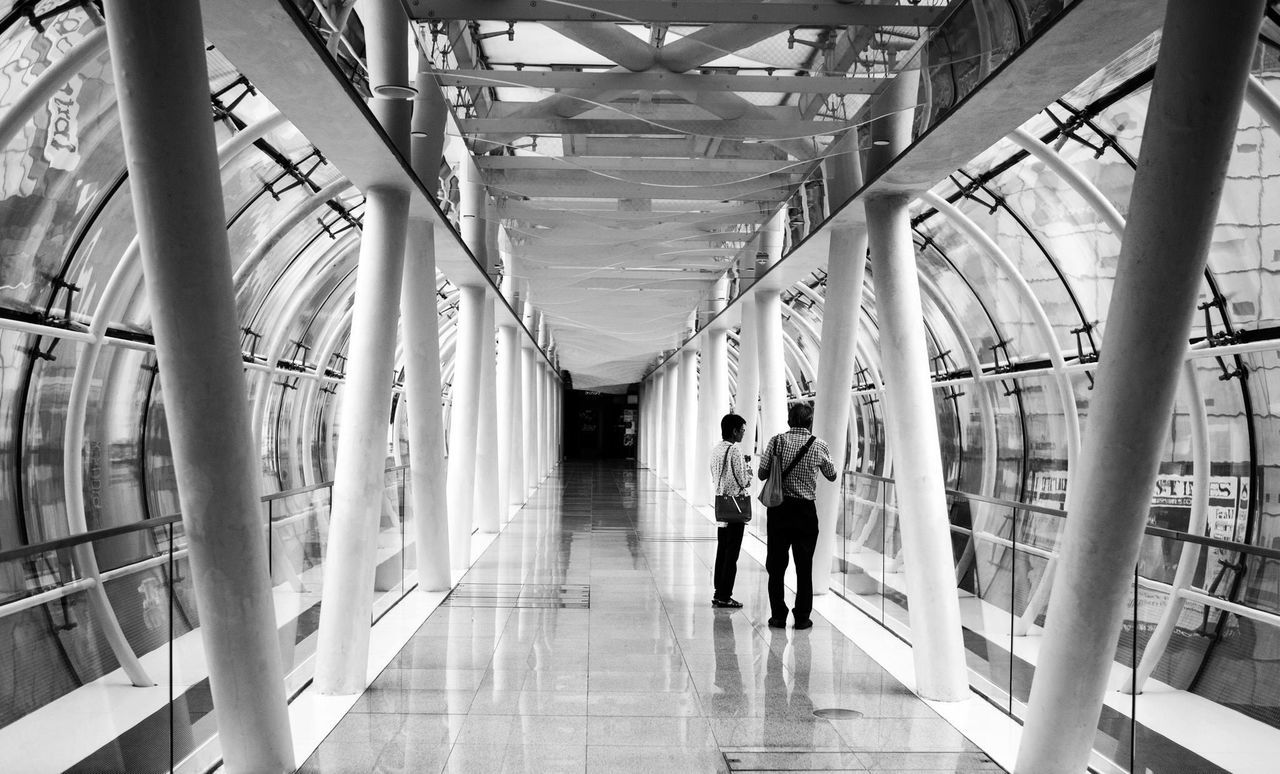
(61, 601)
(1208, 633)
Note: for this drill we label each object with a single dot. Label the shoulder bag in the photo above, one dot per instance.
(771, 492)
(732, 509)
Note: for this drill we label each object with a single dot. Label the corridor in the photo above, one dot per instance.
(584, 640)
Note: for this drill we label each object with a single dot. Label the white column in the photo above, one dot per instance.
(471, 207)
(846, 270)
(657, 425)
(540, 408)
(488, 473)
(463, 422)
(343, 648)
(428, 471)
(671, 419)
(173, 170)
(686, 425)
(386, 30)
(713, 395)
(529, 415)
(642, 450)
(421, 329)
(510, 440)
(528, 398)
(913, 432)
(1186, 147)
(746, 401)
(557, 405)
(506, 345)
(773, 385)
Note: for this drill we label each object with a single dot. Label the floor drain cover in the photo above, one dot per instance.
(836, 713)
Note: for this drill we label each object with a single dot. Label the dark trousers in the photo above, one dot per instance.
(793, 526)
(728, 543)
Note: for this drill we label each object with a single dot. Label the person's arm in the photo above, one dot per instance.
(827, 467)
(765, 458)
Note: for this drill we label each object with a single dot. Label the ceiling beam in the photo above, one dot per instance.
(660, 81)
(668, 148)
(658, 111)
(659, 182)
(594, 187)
(741, 167)
(732, 128)
(810, 13)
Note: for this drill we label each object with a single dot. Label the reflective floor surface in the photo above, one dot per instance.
(583, 640)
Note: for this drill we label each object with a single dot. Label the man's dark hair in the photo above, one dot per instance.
(800, 414)
(729, 425)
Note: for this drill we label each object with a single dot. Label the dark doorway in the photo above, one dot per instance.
(601, 425)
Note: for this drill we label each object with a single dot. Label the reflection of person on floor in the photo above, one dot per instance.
(788, 710)
(731, 476)
(793, 525)
(729, 698)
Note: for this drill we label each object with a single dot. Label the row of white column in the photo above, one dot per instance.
(171, 157)
(1186, 149)
(504, 419)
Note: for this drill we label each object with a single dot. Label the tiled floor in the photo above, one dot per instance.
(517, 673)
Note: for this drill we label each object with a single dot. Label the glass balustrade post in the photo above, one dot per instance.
(171, 156)
(1186, 146)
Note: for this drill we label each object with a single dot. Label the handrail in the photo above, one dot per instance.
(1160, 532)
(85, 537)
(71, 541)
(975, 497)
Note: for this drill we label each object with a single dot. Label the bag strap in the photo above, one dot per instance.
(724, 464)
(799, 454)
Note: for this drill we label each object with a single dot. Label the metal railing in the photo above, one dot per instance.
(1175, 594)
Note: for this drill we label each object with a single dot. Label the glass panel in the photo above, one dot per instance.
(14, 354)
(859, 542)
(1061, 222)
(1045, 429)
(114, 491)
(298, 536)
(58, 165)
(389, 580)
(984, 565)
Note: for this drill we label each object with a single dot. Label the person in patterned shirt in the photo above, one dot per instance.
(793, 525)
(732, 477)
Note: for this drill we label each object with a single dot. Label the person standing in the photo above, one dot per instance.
(793, 525)
(732, 477)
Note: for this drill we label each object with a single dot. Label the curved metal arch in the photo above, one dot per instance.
(261, 396)
(123, 281)
(259, 253)
(1066, 392)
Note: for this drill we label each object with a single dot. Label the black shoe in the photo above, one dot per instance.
(804, 624)
(778, 623)
(726, 603)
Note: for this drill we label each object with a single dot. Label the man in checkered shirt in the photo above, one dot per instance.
(793, 525)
